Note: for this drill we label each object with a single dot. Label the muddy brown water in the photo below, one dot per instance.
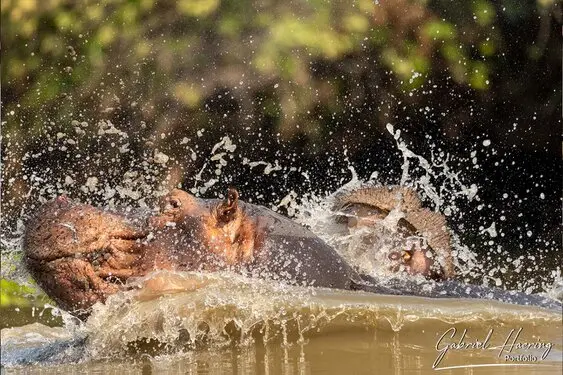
(219, 324)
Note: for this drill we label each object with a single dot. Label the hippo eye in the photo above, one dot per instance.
(407, 255)
(173, 203)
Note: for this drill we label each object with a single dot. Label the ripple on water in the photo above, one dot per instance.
(198, 313)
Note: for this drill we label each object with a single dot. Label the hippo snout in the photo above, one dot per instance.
(78, 253)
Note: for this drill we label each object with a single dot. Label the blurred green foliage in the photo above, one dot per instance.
(86, 56)
(20, 305)
(14, 294)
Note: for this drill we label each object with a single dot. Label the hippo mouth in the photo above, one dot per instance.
(82, 254)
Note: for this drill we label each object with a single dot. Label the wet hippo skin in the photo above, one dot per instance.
(80, 254)
(422, 240)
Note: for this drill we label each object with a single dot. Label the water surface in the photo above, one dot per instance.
(230, 324)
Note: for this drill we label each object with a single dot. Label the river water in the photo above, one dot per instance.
(222, 323)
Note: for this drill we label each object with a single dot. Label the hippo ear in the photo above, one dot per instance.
(232, 196)
(227, 210)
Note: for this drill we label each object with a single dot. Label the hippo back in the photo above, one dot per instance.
(293, 254)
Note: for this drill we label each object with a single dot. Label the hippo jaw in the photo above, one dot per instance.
(80, 254)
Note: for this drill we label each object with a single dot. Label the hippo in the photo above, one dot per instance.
(79, 254)
(421, 236)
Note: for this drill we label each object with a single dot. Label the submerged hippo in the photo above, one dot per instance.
(80, 254)
(420, 241)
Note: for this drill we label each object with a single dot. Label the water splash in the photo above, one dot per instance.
(137, 179)
(197, 312)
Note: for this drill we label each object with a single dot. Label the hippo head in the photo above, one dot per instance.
(224, 231)
(80, 254)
